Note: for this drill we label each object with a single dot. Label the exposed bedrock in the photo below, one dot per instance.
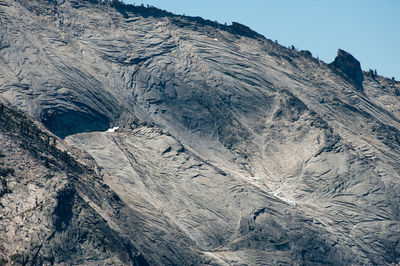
(226, 147)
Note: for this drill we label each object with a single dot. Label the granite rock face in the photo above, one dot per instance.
(54, 210)
(230, 148)
(350, 67)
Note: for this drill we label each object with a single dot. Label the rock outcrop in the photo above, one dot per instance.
(228, 148)
(349, 67)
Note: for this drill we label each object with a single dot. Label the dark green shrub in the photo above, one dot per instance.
(6, 171)
(3, 261)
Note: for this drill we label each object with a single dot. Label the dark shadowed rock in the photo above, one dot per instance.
(306, 53)
(349, 67)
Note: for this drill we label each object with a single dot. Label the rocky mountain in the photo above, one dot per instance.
(226, 148)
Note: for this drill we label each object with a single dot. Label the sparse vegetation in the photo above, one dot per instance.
(306, 53)
(6, 171)
(3, 261)
(113, 2)
(17, 259)
(34, 140)
(3, 187)
(372, 73)
(150, 10)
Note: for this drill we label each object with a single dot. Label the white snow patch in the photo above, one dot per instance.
(282, 198)
(111, 130)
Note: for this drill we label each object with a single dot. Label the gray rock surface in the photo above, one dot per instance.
(231, 149)
(349, 67)
(54, 210)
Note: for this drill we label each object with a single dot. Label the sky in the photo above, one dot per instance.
(368, 29)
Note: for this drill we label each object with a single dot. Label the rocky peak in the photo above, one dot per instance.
(349, 67)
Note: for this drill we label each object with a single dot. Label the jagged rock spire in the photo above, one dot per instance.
(349, 67)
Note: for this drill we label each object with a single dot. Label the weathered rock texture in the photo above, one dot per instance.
(54, 210)
(349, 67)
(231, 149)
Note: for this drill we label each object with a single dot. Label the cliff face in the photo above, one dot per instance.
(54, 209)
(346, 65)
(230, 149)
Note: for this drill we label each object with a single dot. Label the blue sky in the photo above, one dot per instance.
(368, 29)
